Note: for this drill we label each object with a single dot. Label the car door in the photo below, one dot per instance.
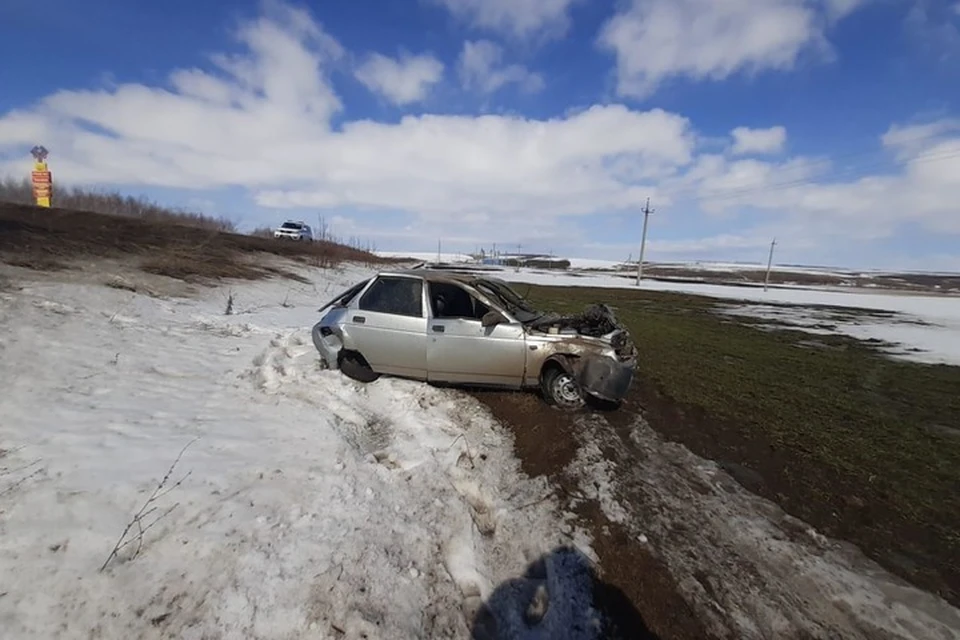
(461, 350)
(387, 325)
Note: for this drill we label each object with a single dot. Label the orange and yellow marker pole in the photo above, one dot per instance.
(41, 178)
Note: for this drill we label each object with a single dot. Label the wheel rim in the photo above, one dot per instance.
(566, 391)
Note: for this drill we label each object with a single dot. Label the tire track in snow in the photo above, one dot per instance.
(748, 569)
(487, 512)
(315, 504)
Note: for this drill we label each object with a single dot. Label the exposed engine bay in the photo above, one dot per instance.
(596, 321)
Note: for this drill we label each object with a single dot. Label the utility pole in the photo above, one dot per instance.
(518, 257)
(438, 251)
(643, 242)
(766, 279)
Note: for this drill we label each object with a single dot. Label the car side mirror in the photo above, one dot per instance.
(492, 318)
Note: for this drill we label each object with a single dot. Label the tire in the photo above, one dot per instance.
(354, 366)
(560, 389)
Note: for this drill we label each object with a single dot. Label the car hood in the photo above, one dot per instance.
(595, 321)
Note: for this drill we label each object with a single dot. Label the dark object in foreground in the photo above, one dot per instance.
(558, 597)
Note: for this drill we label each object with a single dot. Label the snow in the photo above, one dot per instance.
(911, 337)
(426, 256)
(722, 267)
(304, 505)
(925, 328)
(588, 263)
(745, 567)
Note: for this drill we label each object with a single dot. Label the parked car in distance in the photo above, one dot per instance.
(292, 230)
(473, 330)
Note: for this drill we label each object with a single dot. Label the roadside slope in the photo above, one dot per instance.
(303, 505)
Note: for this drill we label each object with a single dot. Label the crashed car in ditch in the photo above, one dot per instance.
(469, 329)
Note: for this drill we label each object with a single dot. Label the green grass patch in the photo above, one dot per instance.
(845, 423)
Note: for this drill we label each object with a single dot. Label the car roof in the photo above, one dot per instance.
(440, 275)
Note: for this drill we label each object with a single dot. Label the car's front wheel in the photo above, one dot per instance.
(353, 365)
(561, 389)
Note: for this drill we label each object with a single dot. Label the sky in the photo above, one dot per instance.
(830, 125)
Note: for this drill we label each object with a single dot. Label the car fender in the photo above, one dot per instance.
(566, 361)
(347, 339)
(598, 375)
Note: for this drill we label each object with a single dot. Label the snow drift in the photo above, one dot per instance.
(309, 507)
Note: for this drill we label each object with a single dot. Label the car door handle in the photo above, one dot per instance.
(438, 328)
(359, 319)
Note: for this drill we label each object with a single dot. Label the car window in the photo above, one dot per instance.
(347, 296)
(451, 301)
(399, 296)
(290, 225)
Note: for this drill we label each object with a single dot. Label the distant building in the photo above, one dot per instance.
(532, 260)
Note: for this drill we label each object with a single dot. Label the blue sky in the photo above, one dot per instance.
(833, 125)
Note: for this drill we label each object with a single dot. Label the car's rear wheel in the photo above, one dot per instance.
(353, 365)
(561, 389)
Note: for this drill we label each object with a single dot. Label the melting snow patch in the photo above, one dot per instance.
(595, 473)
(310, 506)
(930, 340)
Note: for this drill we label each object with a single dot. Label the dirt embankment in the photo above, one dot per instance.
(51, 239)
(694, 553)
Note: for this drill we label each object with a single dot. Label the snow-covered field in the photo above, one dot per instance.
(426, 256)
(917, 336)
(733, 267)
(303, 506)
(926, 328)
(294, 503)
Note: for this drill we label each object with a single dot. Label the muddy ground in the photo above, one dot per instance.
(687, 549)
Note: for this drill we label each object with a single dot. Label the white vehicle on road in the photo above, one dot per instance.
(293, 230)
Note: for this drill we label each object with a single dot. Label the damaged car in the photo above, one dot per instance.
(470, 329)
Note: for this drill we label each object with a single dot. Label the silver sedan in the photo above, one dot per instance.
(473, 330)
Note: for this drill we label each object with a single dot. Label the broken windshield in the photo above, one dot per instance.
(510, 299)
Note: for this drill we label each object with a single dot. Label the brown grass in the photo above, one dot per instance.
(20, 192)
(46, 239)
(37, 263)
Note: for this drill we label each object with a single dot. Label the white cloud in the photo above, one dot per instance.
(481, 69)
(515, 18)
(933, 26)
(402, 81)
(261, 121)
(748, 141)
(909, 140)
(814, 199)
(654, 40)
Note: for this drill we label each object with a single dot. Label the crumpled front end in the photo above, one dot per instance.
(594, 347)
(606, 378)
